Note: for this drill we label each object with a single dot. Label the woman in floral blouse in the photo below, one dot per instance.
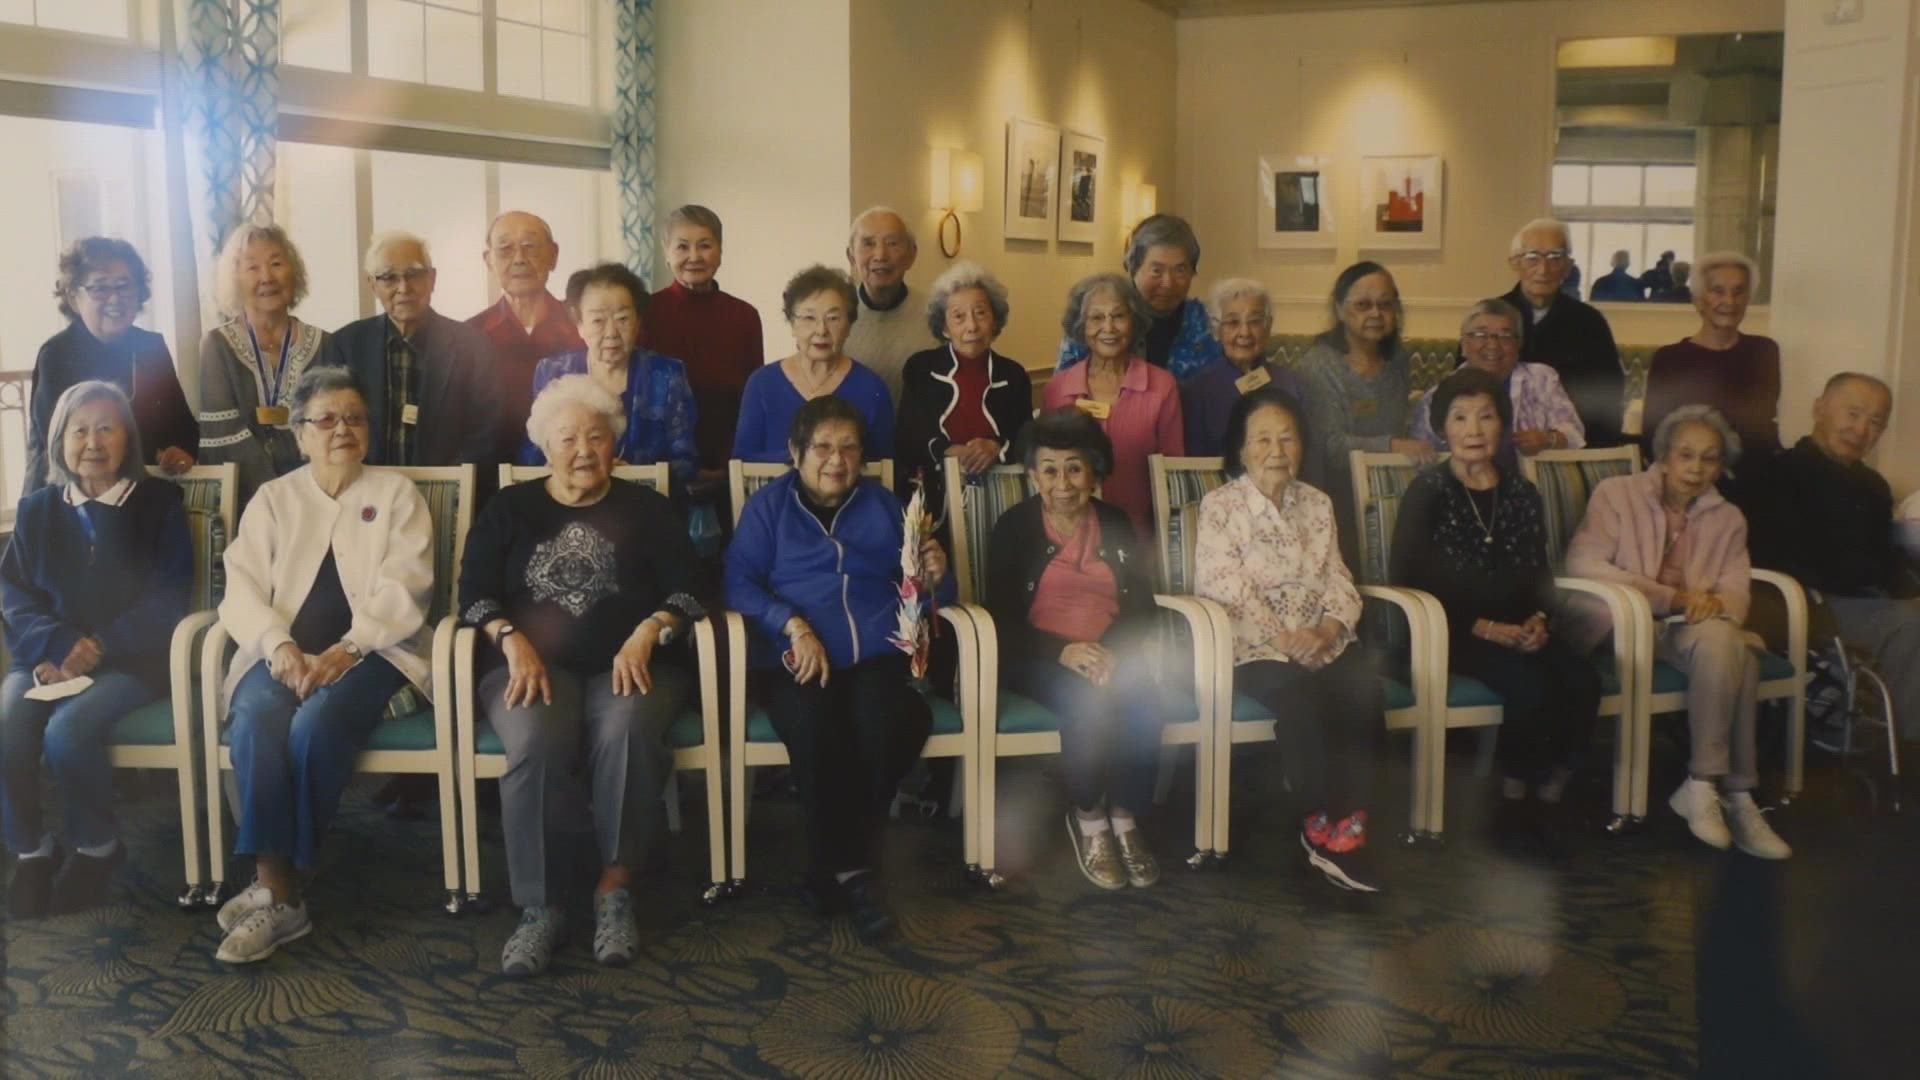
(1269, 554)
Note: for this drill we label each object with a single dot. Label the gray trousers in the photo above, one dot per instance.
(623, 741)
(1723, 680)
(1890, 630)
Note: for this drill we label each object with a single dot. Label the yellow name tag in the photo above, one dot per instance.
(410, 413)
(1253, 380)
(270, 415)
(1096, 409)
(1365, 407)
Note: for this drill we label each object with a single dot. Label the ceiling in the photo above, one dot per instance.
(1200, 9)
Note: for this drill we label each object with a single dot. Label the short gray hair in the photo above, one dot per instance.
(1073, 321)
(1721, 260)
(1239, 288)
(226, 275)
(384, 240)
(132, 467)
(315, 381)
(570, 390)
(962, 275)
(1497, 307)
(1161, 230)
(853, 230)
(1516, 246)
(1697, 414)
(696, 215)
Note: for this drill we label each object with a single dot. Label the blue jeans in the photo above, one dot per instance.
(293, 758)
(72, 733)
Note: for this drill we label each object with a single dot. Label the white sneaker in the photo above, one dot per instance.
(1699, 803)
(1751, 833)
(262, 931)
(243, 903)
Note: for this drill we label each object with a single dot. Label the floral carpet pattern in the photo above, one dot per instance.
(1473, 965)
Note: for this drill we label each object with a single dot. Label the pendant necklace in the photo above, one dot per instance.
(1493, 514)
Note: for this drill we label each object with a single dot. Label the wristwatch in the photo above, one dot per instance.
(506, 631)
(351, 649)
(667, 632)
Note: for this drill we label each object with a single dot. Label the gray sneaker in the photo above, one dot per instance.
(242, 904)
(615, 936)
(530, 949)
(261, 932)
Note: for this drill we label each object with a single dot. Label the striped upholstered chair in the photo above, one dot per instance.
(694, 736)
(1179, 484)
(415, 735)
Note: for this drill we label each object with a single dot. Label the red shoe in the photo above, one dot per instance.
(1340, 853)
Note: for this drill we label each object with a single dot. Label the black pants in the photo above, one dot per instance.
(850, 743)
(1109, 735)
(1330, 725)
(1552, 702)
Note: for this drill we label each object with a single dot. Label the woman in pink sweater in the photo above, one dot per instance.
(1668, 533)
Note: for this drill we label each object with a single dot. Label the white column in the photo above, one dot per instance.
(1845, 251)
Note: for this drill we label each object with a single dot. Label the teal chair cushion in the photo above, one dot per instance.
(685, 733)
(1020, 715)
(946, 720)
(1466, 693)
(1774, 666)
(1668, 679)
(411, 732)
(149, 725)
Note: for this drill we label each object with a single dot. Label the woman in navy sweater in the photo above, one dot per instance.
(92, 584)
(812, 568)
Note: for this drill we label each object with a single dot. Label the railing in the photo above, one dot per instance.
(16, 393)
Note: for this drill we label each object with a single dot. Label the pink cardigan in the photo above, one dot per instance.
(1143, 421)
(1625, 531)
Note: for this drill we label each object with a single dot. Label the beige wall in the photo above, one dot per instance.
(1473, 82)
(950, 73)
(753, 123)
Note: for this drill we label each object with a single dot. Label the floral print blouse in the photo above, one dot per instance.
(1272, 567)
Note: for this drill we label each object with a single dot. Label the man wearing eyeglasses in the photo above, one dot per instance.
(432, 397)
(1565, 334)
(528, 323)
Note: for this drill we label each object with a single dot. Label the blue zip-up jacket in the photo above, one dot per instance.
(783, 563)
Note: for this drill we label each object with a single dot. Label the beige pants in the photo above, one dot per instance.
(1723, 679)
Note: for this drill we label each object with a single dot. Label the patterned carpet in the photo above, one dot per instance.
(1474, 965)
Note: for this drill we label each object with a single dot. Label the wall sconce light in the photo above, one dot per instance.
(1138, 203)
(958, 179)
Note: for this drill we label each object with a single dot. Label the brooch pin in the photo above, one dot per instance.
(368, 513)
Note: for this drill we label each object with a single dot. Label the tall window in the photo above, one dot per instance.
(1644, 209)
(105, 17)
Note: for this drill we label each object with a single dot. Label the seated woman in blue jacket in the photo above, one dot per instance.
(93, 582)
(813, 568)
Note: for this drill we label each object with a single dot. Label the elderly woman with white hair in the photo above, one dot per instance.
(582, 585)
(1162, 256)
(249, 364)
(1242, 320)
(92, 584)
(1565, 333)
(1734, 372)
(960, 399)
(1669, 534)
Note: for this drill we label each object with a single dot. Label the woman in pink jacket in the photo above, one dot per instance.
(1668, 533)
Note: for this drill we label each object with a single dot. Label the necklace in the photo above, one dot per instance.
(1493, 514)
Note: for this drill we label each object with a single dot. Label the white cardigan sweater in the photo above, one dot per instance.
(382, 540)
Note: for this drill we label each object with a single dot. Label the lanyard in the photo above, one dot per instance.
(270, 387)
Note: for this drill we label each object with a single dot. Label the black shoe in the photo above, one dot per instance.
(822, 895)
(867, 905)
(31, 895)
(83, 882)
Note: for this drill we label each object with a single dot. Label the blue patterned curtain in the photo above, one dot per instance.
(226, 87)
(633, 130)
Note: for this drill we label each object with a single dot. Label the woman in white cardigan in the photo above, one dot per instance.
(327, 594)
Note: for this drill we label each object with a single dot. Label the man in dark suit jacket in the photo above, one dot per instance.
(1565, 334)
(429, 380)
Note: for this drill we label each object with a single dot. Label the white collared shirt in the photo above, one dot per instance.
(113, 496)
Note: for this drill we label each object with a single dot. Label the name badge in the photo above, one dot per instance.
(270, 415)
(1099, 410)
(1253, 380)
(410, 413)
(1365, 407)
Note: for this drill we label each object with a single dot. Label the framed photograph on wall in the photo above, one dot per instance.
(1403, 200)
(1082, 159)
(1294, 208)
(1033, 171)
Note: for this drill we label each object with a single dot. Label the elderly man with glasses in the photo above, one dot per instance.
(528, 323)
(432, 395)
(1563, 333)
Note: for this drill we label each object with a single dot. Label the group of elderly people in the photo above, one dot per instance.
(585, 586)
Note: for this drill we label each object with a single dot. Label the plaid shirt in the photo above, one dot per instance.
(403, 389)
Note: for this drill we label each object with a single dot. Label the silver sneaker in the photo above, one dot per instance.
(243, 903)
(1142, 868)
(1098, 855)
(1751, 833)
(615, 936)
(261, 932)
(1699, 803)
(530, 949)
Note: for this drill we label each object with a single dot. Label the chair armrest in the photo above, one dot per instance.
(1427, 633)
(968, 689)
(736, 679)
(460, 666)
(1632, 627)
(1795, 599)
(180, 652)
(1212, 663)
(706, 660)
(442, 669)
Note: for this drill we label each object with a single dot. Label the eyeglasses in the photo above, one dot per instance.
(1481, 337)
(105, 292)
(329, 421)
(412, 275)
(1535, 258)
